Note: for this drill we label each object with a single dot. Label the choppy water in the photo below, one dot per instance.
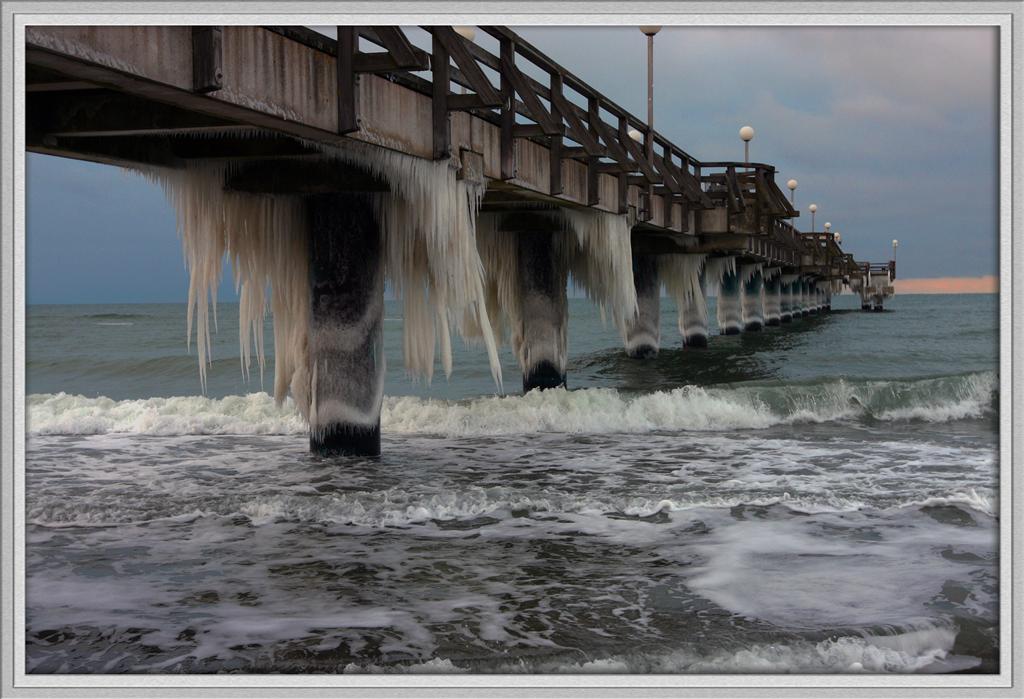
(816, 498)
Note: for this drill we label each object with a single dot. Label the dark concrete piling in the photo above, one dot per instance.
(545, 311)
(643, 336)
(346, 355)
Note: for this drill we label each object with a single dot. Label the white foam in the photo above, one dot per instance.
(593, 410)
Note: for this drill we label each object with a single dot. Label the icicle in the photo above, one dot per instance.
(264, 236)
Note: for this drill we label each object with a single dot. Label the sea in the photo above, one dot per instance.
(820, 497)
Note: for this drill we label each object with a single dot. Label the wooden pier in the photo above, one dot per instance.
(268, 100)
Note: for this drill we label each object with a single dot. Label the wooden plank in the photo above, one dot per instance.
(207, 57)
(442, 130)
(347, 86)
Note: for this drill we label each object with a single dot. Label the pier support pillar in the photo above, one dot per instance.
(693, 315)
(545, 311)
(773, 298)
(753, 303)
(346, 357)
(729, 309)
(812, 296)
(785, 299)
(805, 297)
(643, 335)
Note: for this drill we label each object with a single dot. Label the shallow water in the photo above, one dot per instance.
(817, 498)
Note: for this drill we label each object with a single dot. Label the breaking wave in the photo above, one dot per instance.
(927, 648)
(594, 410)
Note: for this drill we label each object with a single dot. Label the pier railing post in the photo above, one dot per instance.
(346, 355)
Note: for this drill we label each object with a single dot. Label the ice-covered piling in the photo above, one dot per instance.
(592, 247)
(643, 333)
(729, 310)
(542, 278)
(772, 296)
(753, 302)
(685, 281)
(788, 298)
(346, 354)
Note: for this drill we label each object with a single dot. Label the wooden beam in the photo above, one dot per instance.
(348, 81)
(207, 67)
(507, 152)
(456, 47)
(442, 132)
(300, 178)
(123, 152)
(403, 52)
(536, 110)
(61, 86)
(577, 131)
(101, 113)
(555, 147)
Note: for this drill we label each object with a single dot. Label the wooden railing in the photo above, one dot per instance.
(597, 134)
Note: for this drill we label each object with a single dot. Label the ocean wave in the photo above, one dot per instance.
(593, 410)
(396, 507)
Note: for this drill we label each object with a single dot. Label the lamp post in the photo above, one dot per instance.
(746, 133)
(650, 32)
(469, 34)
(792, 184)
(813, 208)
(827, 227)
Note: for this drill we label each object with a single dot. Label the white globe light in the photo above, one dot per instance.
(813, 208)
(650, 31)
(792, 184)
(467, 33)
(747, 133)
(636, 135)
(827, 226)
(895, 243)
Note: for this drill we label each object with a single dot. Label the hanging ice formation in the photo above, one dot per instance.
(427, 219)
(592, 246)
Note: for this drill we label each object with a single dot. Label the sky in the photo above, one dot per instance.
(892, 132)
